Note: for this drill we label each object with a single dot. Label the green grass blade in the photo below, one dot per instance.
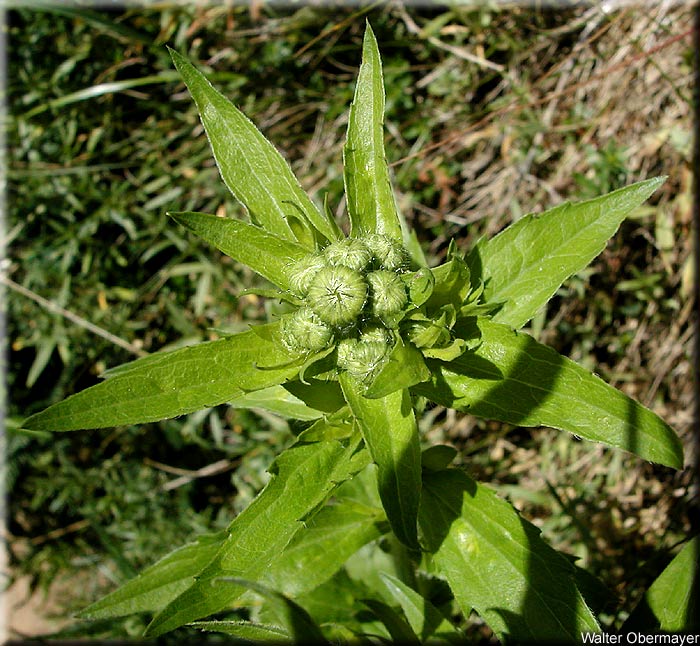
(370, 198)
(265, 253)
(388, 425)
(165, 385)
(101, 89)
(525, 264)
(103, 21)
(514, 379)
(254, 171)
(496, 563)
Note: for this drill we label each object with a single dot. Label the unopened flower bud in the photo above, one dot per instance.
(304, 331)
(387, 252)
(351, 252)
(303, 271)
(388, 293)
(337, 295)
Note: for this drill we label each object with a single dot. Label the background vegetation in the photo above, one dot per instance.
(490, 114)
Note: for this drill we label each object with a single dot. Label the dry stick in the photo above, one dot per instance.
(77, 526)
(556, 94)
(209, 470)
(73, 318)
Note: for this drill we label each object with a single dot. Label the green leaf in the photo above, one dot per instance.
(278, 400)
(318, 394)
(168, 384)
(396, 624)
(496, 563)
(100, 89)
(404, 368)
(160, 583)
(245, 630)
(672, 601)
(438, 457)
(362, 489)
(424, 618)
(526, 263)
(389, 428)
(370, 198)
(299, 624)
(452, 281)
(332, 427)
(256, 174)
(512, 378)
(450, 352)
(420, 285)
(336, 604)
(303, 477)
(265, 253)
(319, 550)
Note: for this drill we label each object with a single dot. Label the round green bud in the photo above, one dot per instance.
(350, 252)
(302, 272)
(388, 253)
(376, 334)
(388, 293)
(361, 357)
(346, 350)
(337, 295)
(304, 331)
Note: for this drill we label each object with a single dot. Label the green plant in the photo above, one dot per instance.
(355, 513)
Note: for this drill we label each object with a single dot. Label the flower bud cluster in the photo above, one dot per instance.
(352, 293)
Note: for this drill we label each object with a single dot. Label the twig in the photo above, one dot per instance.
(187, 475)
(61, 531)
(73, 318)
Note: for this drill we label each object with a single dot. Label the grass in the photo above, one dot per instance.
(490, 114)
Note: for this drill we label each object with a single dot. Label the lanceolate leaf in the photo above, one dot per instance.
(265, 253)
(256, 174)
(496, 563)
(527, 262)
(318, 394)
(304, 476)
(397, 626)
(246, 631)
(276, 399)
(389, 427)
(319, 550)
(539, 387)
(672, 602)
(159, 584)
(451, 282)
(168, 384)
(299, 624)
(404, 368)
(370, 198)
(424, 618)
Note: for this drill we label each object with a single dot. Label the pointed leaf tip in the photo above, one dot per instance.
(252, 168)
